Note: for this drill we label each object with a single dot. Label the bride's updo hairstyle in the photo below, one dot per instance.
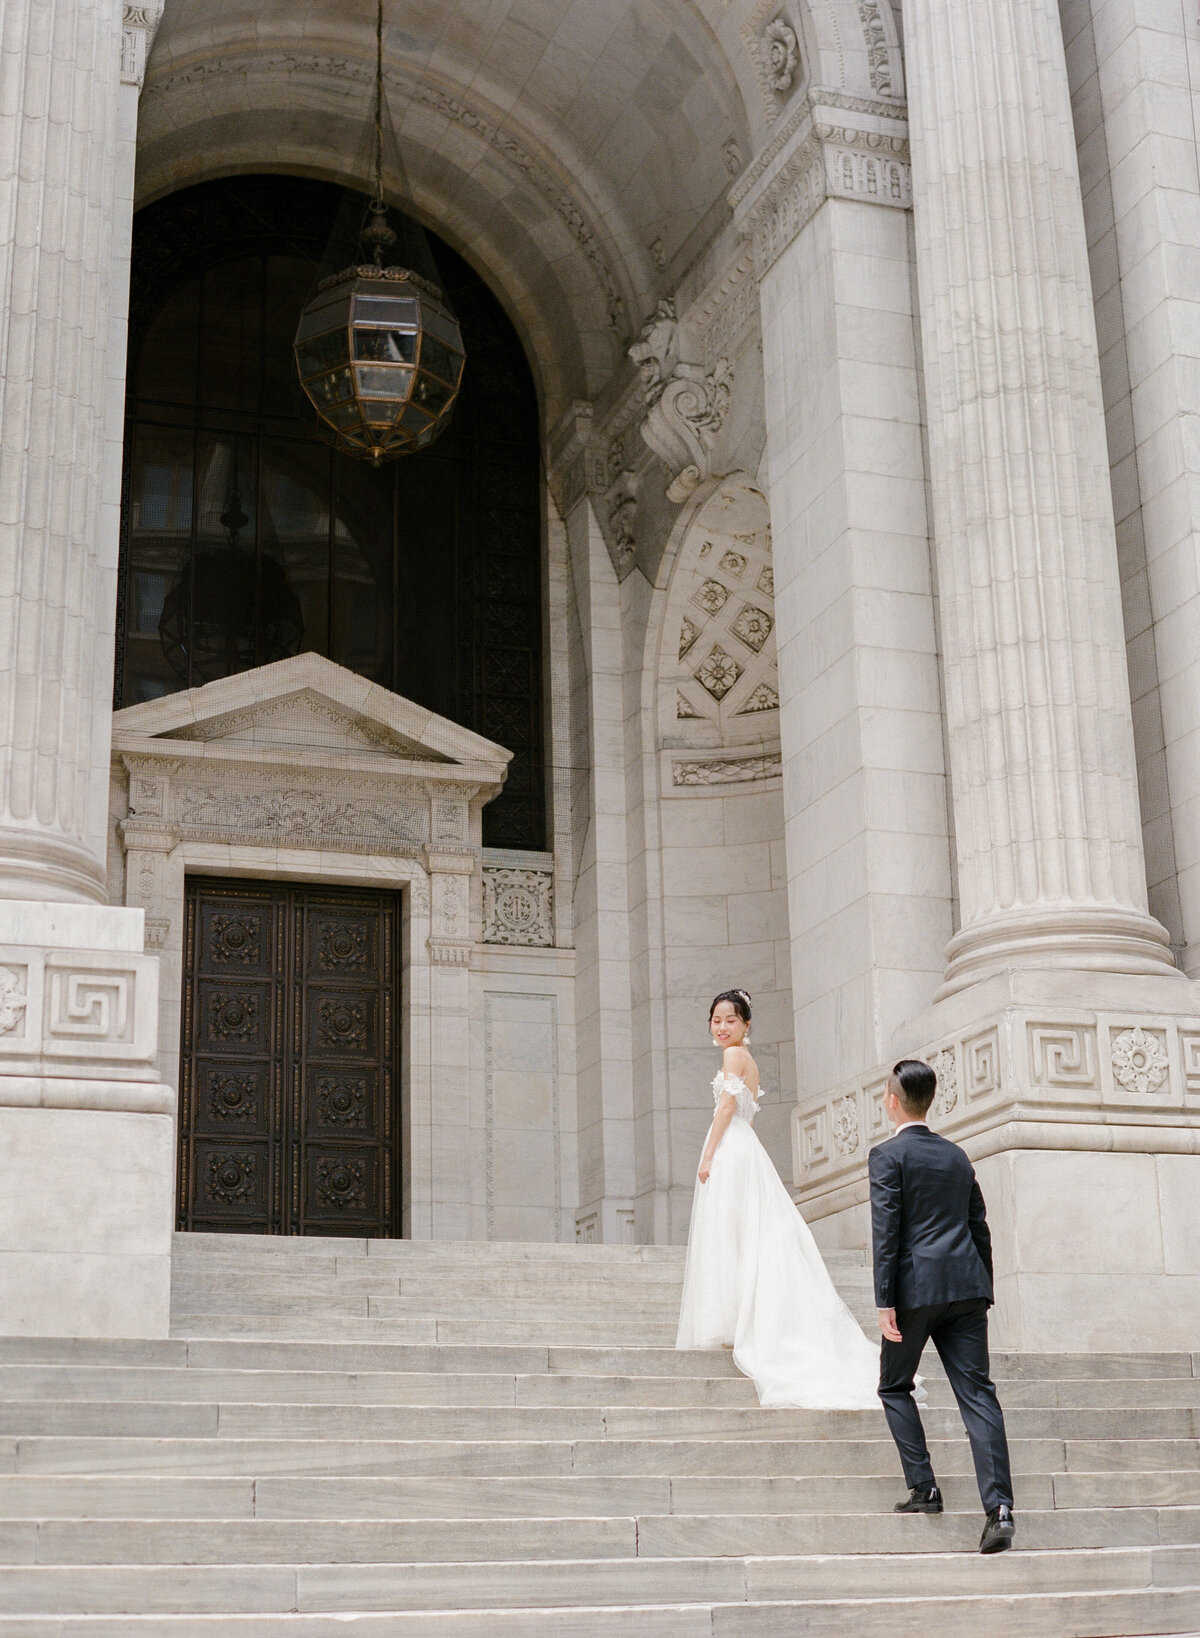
(738, 999)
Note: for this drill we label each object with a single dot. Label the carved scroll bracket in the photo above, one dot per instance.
(686, 405)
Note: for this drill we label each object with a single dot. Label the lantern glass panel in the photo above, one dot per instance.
(441, 325)
(437, 357)
(386, 346)
(342, 416)
(431, 394)
(381, 412)
(321, 352)
(325, 314)
(383, 381)
(413, 420)
(332, 388)
(386, 310)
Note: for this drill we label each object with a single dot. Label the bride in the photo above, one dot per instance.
(754, 1277)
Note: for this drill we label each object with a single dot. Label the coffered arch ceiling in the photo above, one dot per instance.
(578, 152)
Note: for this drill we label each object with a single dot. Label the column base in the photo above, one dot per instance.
(1107, 940)
(1077, 1095)
(87, 1132)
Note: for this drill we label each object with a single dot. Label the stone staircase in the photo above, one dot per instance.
(369, 1438)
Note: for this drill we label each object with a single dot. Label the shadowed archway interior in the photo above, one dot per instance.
(247, 538)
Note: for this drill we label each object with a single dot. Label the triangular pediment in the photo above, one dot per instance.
(306, 704)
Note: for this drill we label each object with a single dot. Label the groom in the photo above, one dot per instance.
(933, 1281)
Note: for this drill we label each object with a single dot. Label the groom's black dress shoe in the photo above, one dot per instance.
(923, 1498)
(998, 1531)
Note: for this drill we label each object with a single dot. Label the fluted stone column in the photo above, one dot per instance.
(86, 1141)
(60, 87)
(1048, 834)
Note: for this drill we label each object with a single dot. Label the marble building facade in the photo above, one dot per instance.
(865, 340)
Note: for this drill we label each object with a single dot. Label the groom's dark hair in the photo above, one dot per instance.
(914, 1083)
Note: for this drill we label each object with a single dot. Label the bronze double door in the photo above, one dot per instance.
(289, 1118)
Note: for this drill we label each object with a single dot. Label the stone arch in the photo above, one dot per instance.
(570, 200)
(717, 668)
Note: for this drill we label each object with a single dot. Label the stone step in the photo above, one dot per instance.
(570, 1496)
(208, 1249)
(501, 1388)
(248, 1354)
(526, 1274)
(318, 1326)
(165, 1418)
(374, 1300)
(82, 1384)
(622, 1535)
(459, 1585)
(200, 1385)
(481, 1287)
(1120, 1613)
(504, 1458)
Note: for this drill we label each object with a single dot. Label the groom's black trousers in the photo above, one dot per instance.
(958, 1330)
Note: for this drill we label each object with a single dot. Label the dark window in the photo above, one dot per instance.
(247, 538)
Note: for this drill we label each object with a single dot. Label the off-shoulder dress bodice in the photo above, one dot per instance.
(726, 1081)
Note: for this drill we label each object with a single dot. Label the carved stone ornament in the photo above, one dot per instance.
(13, 1000)
(945, 1067)
(781, 54)
(733, 770)
(845, 1125)
(138, 26)
(774, 47)
(517, 907)
(685, 405)
(1139, 1060)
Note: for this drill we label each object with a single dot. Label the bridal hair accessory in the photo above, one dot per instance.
(745, 995)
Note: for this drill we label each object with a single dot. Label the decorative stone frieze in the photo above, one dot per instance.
(824, 152)
(517, 906)
(685, 404)
(1028, 1077)
(728, 770)
(69, 1012)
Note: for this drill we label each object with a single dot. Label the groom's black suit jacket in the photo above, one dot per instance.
(928, 1224)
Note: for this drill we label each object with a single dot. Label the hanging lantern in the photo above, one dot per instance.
(380, 357)
(379, 352)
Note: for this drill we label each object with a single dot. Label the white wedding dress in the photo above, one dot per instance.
(754, 1278)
